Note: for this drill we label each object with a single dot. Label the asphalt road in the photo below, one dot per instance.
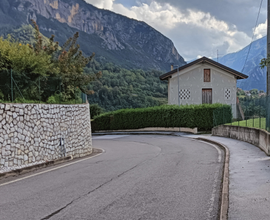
(138, 177)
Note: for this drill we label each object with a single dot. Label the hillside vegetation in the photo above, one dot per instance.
(121, 88)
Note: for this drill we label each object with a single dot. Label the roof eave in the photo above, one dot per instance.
(201, 61)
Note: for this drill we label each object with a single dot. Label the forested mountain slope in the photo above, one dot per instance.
(122, 88)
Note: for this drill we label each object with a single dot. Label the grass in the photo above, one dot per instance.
(252, 123)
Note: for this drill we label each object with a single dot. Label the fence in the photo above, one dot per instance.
(29, 88)
(251, 112)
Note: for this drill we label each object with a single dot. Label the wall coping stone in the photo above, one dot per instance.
(254, 136)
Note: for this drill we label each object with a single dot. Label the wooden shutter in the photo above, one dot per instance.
(207, 75)
(207, 96)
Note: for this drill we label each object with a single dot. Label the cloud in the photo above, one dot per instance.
(115, 7)
(241, 13)
(157, 15)
(103, 4)
(120, 9)
(194, 32)
(261, 30)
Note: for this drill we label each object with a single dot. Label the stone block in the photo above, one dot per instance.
(25, 157)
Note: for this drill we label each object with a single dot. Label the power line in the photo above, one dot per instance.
(253, 35)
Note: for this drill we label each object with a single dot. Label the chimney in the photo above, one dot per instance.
(171, 67)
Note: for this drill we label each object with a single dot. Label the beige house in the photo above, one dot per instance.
(203, 81)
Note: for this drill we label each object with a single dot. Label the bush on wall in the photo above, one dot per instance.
(204, 117)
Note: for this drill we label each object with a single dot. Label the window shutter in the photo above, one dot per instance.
(207, 75)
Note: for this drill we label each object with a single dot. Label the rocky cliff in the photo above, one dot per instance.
(118, 39)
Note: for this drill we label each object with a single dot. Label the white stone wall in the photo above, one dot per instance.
(192, 81)
(30, 133)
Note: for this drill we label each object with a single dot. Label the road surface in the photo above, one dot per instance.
(138, 177)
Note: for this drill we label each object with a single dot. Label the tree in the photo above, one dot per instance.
(21, 58)
(265, 62)
(254, 92)
(69, 63)
(26, 67)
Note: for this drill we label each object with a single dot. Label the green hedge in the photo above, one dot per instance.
(204, 117)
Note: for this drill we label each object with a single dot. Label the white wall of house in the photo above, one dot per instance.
(190, 82)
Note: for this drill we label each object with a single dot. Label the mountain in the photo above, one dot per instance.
(113, 37)
(257, 76)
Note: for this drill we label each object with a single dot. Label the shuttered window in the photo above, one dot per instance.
(207, 75)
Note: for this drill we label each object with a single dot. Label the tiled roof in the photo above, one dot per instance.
(208, 61)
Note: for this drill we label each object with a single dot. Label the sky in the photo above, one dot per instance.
(197, 27)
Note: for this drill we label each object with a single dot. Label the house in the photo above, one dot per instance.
(203, 81)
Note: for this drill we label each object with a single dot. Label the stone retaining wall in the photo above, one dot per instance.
(33, 133)
(257, 137)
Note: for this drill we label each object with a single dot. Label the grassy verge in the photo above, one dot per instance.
(252, 123)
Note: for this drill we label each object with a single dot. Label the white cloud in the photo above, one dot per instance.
(103, 4)
(261, 30)
(194, 32)
(157, 15)
(120, 9)
(110, 5)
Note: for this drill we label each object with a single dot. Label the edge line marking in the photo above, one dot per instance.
(46, 171)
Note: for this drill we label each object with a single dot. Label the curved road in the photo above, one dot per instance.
(138, 177)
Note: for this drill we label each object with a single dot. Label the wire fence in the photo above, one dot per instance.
(250, 112)
(30, 88)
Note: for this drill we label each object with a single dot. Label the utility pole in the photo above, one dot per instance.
(218, 54)
(268, 48)
(268, 70)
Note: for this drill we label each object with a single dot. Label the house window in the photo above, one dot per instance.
(207, 75)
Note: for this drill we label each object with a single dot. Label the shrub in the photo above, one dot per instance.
(204, 117)
(95, 110)
(51, 100)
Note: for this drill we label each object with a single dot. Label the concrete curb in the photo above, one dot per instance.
(136, 133)
(164, 129)
(43, 165)
(224, 207)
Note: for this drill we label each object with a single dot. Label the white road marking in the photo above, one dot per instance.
(56, 168)
(109, 137)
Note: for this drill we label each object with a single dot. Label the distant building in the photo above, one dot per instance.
(203, 81)
(247, 93)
